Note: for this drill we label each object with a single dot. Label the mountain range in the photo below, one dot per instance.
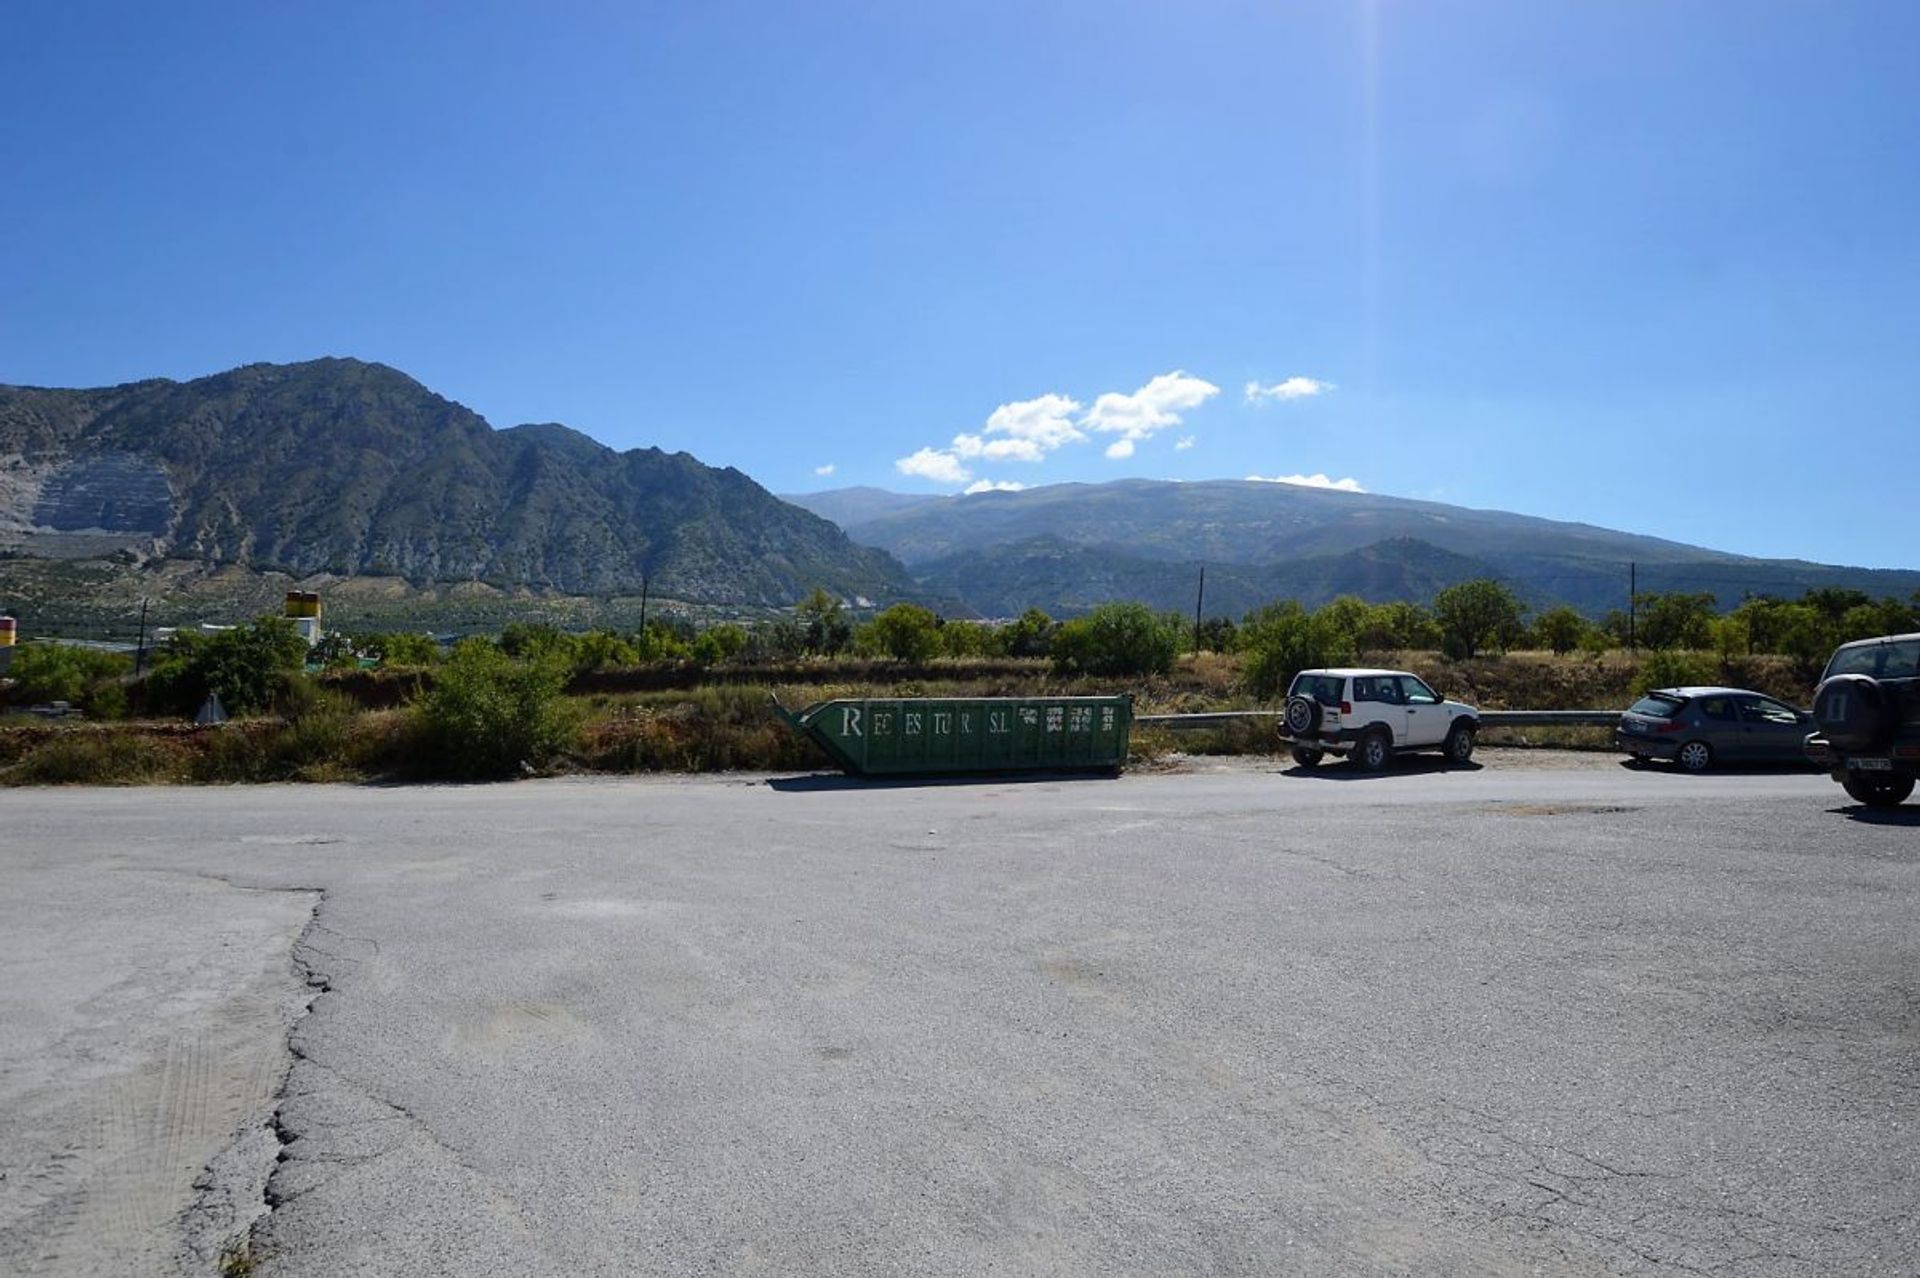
(348, 468)
(345, 469)
(1065, 547)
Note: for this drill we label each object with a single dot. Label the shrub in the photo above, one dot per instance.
(1116, 639)
(94, 758)
(488, 714)
(1280, 640)
(1477, 616)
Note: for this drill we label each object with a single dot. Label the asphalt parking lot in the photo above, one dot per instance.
(1541, 1016)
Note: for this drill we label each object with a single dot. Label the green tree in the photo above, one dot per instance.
(904, 632)
(1030, 635)
(1347, 615)
(1763, 619)
(823, 623)
(400, 648)
(602, 649)
(1116, 640)
(719, 643)
(1870, 621)
(967, 639)
(1834, 602)
(530, 640)
(1394, 627)
(1559, 629)
(1478, 616)
(1676, 620)
(487, 714)
(58, 672)
(1282, 639)
(249, 667)
(1219, 634)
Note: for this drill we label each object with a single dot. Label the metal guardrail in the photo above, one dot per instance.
(1488, 718)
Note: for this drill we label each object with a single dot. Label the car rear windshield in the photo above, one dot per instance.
(1899, 660)
(1325, 689)
(1656, 706)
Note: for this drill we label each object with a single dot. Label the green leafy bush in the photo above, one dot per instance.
(488, 714)
(251, 668)
(400, 648)
(1116, 640)
(719, 643)
(1478, 616)
(1280, 640)
(904, 632)
(1560, 629)
(56, 672)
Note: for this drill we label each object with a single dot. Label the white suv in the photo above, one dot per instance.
(1373, 715)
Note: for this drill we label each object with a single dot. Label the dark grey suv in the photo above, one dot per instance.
(1699, 727)
(1868, 712)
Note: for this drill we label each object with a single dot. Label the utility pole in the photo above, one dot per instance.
(1633, 606)
(140, 649)
(643, 609)
(1198, 600)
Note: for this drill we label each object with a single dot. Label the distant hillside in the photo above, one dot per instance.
(1066, 546)
(351, 468)
(848, 506)
(1002, 581)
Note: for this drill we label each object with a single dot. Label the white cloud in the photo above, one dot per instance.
(1348, 485)
(1046, 422)
(1153, 407)
(995, 486)
(1292, 388)
(971, 446)
(1027, 430)
(930, 463)
(823, 470)
(1185, 442)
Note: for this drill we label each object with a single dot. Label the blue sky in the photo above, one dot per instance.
(1639, 264)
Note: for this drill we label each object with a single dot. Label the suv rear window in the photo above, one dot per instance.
(1325, 689)
(1899, 660)
(1656, 706)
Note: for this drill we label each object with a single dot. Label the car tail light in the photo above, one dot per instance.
(1671, 725)
(1346, 707)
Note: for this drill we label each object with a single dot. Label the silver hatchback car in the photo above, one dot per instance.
(1699, 727)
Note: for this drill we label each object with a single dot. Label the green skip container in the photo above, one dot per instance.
(933, 735)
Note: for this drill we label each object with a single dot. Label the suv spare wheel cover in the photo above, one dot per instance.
(1303, 714)
(1852, 711)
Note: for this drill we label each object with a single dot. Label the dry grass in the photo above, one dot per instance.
(731, 725)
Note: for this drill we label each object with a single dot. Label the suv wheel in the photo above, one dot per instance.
(1695, 756)
(1459, 745)
(1373, 752)
(1302, 715)
(1307, 758)
(1878, 792)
